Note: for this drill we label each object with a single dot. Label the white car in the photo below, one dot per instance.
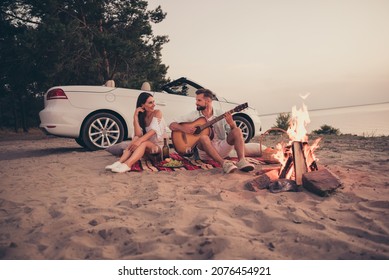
(100, 116)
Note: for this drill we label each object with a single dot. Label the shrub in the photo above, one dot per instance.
(327, 129)
(283, 121)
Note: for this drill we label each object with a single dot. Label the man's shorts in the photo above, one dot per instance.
(221, 146)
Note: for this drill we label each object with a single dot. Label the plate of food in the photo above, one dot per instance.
(172, 163)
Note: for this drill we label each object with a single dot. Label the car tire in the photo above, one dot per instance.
(80, 142)
(245, 126)
(101, 131)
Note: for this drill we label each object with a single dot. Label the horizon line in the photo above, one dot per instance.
(339, 107)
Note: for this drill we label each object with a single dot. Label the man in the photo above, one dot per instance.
(223, 141)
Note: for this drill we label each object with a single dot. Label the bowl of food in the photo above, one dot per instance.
(172, 163)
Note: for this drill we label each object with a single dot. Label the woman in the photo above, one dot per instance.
(149, 131)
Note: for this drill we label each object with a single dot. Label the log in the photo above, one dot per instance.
(309, 156)
(285, 169)
(300, 165)
(262, 182)
(321, 182)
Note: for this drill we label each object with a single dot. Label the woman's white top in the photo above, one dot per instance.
(159, 126)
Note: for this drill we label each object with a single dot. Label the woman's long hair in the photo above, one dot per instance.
(142, 98)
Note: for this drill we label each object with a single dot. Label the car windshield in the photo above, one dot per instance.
(183, 89)
(182, 86)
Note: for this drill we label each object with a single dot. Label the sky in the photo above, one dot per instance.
(268, 52)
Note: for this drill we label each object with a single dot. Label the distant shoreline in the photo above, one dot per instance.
(332, 108)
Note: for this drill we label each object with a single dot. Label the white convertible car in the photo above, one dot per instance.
(100, 116)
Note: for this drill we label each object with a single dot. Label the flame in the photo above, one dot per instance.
(297, 131)
(280, 156)
(297, 128)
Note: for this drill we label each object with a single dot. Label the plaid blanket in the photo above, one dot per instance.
(188, 164)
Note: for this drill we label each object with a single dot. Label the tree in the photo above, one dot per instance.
(17, 75)
(53, 42)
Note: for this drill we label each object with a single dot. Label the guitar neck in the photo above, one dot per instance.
(218, 118)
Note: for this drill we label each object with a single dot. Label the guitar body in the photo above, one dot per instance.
(184, 143)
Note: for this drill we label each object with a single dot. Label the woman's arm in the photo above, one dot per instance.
(155, 127)
(144, 137)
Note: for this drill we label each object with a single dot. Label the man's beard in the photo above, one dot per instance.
(201, 108)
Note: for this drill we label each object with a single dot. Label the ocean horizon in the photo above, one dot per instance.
(363, 120)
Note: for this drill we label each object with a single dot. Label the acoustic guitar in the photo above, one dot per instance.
(184, 143)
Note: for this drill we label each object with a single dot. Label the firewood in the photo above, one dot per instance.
(309, 155)
(300, 165)
(286, 168)
(321, 182)
(262, 181)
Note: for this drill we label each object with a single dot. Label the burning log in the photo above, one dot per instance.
(299, 162)
(286, 168)
(321, 182)
(308, 152)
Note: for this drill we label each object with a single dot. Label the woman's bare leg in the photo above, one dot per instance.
(126, 153)
(139, 152)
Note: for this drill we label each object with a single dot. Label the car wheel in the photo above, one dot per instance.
(101, 131)
(80, 142)
(245, 126)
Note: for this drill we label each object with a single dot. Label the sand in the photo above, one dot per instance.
(58, 202)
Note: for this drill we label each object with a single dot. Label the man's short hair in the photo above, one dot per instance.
(207, 93)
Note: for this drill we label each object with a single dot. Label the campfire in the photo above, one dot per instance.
(297, 162)
(297, 157)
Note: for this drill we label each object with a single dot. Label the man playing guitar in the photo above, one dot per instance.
(220, 142)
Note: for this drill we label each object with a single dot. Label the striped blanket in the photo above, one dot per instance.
(187, 164)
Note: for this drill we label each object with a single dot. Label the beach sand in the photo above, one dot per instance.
(58, 202)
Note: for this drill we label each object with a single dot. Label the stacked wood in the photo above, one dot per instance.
(299, 161)
(321, 182)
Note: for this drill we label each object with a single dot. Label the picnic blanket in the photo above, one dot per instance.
(187, 164)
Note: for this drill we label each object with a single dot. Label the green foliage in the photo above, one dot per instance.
(283, 121)
(327, 129)
(52, 42)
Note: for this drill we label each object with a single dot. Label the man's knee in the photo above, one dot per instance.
(236, 132)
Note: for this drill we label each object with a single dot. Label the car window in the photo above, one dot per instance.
(184, 89)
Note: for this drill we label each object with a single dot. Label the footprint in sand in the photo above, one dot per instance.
(54, 212)
(381, 204)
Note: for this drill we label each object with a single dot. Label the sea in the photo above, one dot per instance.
(364, 120)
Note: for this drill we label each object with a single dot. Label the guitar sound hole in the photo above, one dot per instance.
(198, 130)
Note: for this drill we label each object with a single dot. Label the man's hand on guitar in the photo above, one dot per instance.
(189, 129)
(230, 120)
